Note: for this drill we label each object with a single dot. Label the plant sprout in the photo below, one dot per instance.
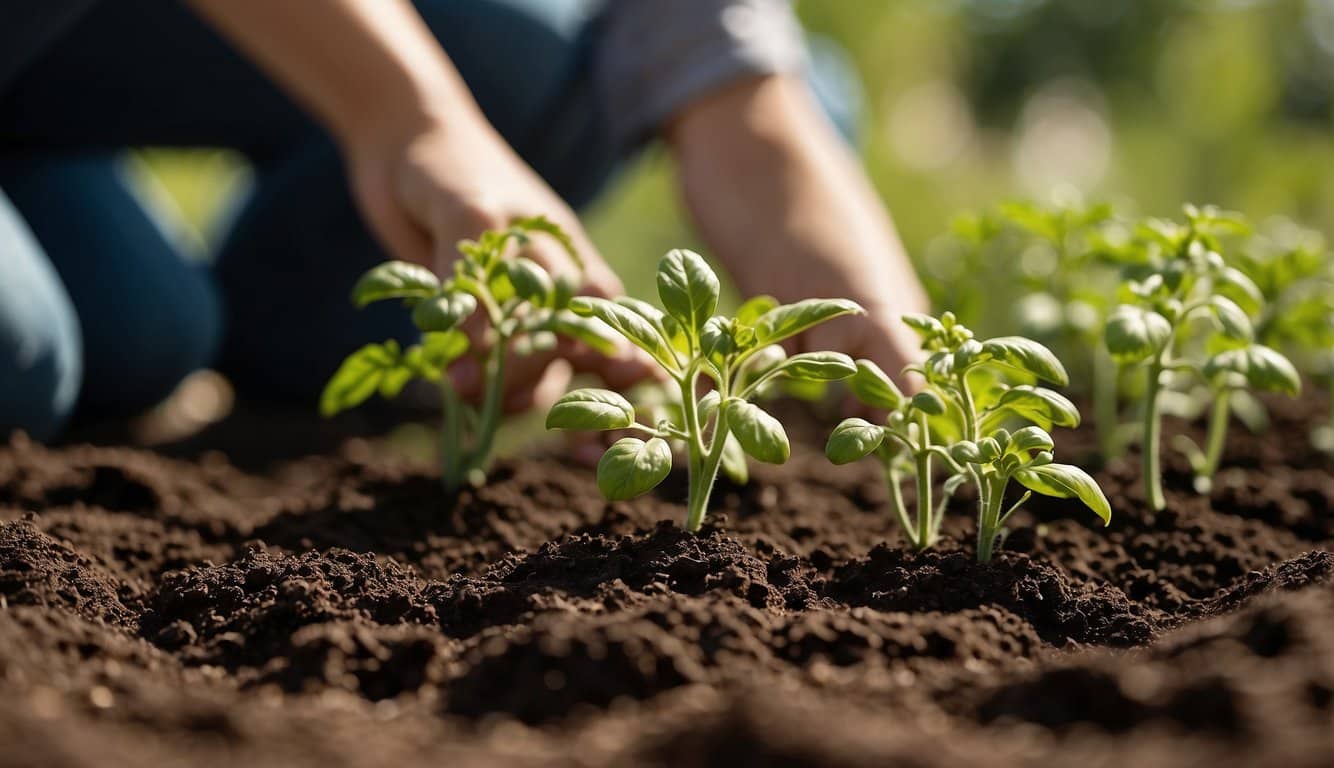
(739, 356)
(1294, 271)
(1179, 277)
(959, 418)
(523, 308)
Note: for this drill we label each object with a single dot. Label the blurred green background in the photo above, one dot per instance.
(1144, 103)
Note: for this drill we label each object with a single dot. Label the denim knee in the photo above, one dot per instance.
(147, 316)
(40, 343)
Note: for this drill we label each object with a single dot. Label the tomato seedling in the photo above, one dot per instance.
(523, 308)
(1178, 277)
(959, 418)
(739, 356)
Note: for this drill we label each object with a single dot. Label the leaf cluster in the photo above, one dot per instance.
(738, 357)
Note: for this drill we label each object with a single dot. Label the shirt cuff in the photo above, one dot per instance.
(658, 55)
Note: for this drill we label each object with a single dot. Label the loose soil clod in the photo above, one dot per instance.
(342, 611)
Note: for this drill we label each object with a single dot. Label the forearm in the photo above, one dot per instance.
(362, 67)
(778, 195)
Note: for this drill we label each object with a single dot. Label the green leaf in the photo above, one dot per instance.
(591, 409)
(593, 334)
(734, 464)
(395, 280)
(531, 282)
(629, 324)
(1264, 368)
(750, 312)
(443, 313)
(1231, 318)
(1027, 355)
(818, 366)
(688, 288)
(928, 403)
(788, 320)
(360, 376)
(853, 439)
(1134, 334)
(1235, 278)
(966, 452)
(707, 405)
(759, 434)
(716, 340)
(553, 230)
(1031, 439)
(874, 387)
(1040, 405)
(1065, 481)
(926, 326)
(438, 350)
(632, 467)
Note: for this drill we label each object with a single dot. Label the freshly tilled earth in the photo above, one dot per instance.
(340, 610)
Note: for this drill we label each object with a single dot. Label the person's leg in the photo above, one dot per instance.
(162, 77)
(40, 347)
(147, 316)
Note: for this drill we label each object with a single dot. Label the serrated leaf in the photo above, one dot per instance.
(395, 280)
(632, 467)
(874, 387)
(443, 313)
(1065, 481)
(531, 282)
(360, 376)
(629, 324)
(1133, 334)
(759, 433)
(1040, 405)
(788, 320)
(1231, 318)
(688, 288)
(1264, 368)
(1027, 355)
(591, 409)
(853, 439)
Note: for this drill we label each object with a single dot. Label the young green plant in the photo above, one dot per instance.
(1180, 278)
(960, 418)
(738, 356)
(522, 306)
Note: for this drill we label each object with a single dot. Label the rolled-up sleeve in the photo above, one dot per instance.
(657, 55)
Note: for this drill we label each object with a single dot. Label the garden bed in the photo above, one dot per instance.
(340, 610)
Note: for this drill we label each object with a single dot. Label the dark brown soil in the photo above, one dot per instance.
(340, 610)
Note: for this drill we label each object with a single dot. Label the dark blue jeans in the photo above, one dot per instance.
(100, 313)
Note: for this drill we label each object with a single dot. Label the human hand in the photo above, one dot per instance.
(432, 184)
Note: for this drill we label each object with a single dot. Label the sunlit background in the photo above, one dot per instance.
(1145, 103)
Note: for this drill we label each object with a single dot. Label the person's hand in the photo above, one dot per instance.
(783, 201)
(433, 184)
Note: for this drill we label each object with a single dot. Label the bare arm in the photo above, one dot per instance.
(426, 167)
(782, 201)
